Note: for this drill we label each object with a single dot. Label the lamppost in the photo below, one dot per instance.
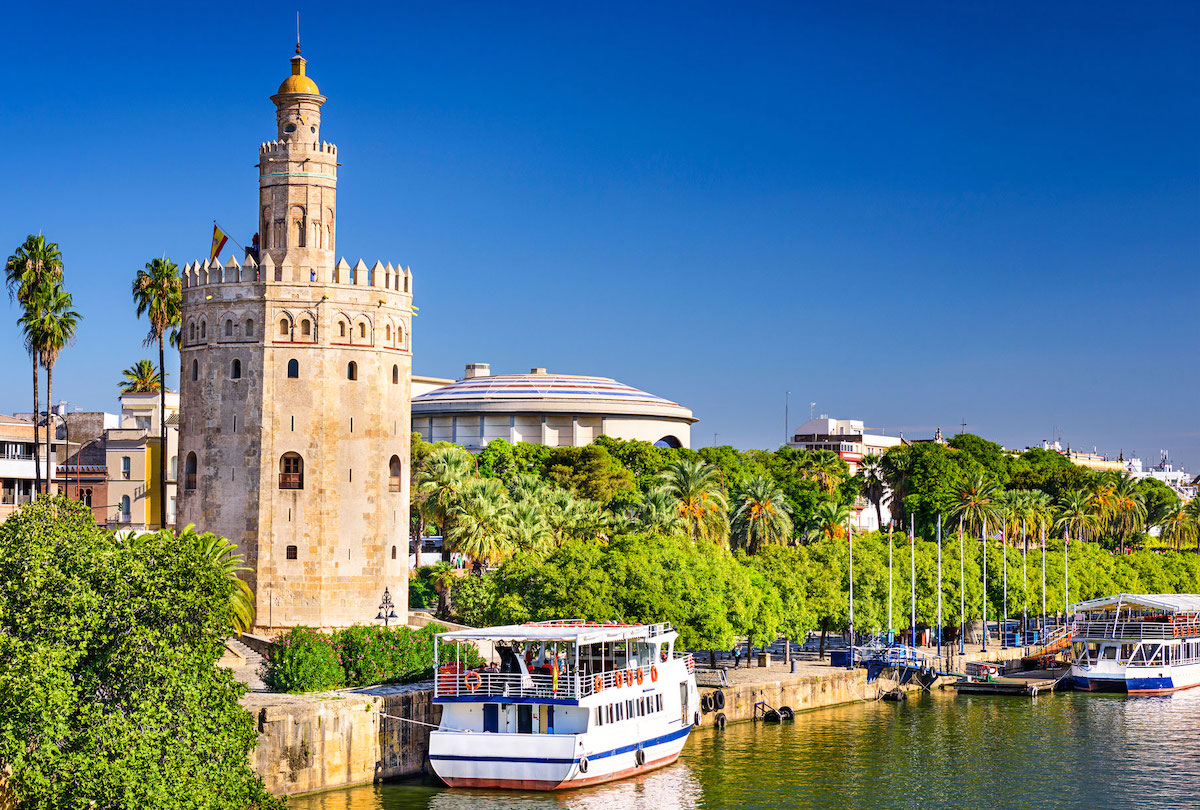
(386, 611)
(66, 439)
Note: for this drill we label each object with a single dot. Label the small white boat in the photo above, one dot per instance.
(1143, 644)
(565, 704)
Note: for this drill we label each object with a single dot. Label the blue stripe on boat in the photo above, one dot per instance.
(625, 749)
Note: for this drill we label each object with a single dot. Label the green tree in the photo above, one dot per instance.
(978, 504)
(158, 294)
(141, 378)
(658, 513)
(32, 268)
(112, 693)
(49, 324)
(872, 483)
(700, 497)
(832, 519)
(762, 515)
(1078, 516)
(481, 524)
(590, 472)
(443, 474)
(223, 555)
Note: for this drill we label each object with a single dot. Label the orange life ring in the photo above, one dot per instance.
(629, 677)
(598, 683)
(639, 676)
(663, 654)
(472, 681)
(653, 673)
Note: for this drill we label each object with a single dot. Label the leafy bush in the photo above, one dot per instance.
(303, 660)
(421, 592)
(110, 690)
(473, 600)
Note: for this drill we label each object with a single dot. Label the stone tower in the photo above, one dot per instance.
(295, 391)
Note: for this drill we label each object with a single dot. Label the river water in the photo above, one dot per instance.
(939, 750)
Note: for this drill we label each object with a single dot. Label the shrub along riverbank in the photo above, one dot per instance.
(305, 660)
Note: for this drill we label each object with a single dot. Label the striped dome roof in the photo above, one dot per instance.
(539, 389)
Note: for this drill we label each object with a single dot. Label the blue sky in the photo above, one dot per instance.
(912, 214)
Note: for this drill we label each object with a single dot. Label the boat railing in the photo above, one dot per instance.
(688, 660)
(480, 683)
(1134, 630)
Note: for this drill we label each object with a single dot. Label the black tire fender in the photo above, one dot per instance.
(720, 720)
(718, 700)
(696, 719)
(583, 764)
(639, 757)
(787, 713)
(706, 703)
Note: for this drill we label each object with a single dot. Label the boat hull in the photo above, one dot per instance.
(538, 762)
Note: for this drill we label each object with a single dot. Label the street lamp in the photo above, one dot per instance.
(386, 612)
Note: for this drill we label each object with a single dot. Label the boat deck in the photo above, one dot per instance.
(1029, 684)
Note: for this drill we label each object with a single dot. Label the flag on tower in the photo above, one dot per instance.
(219, 240)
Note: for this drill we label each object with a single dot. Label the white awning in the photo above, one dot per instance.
(576, 633)
(1166, 602)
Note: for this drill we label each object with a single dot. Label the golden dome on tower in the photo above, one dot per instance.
(298, 82)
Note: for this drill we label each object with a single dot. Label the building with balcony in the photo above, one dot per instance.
(851, 441)
(557, 410)
(132, 458)
(17, 467)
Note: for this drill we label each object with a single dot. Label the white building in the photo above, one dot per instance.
(850, 440)
(557, 410)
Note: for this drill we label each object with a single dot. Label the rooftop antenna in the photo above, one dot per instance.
(963, 424)
(297, 32)
(811, 405)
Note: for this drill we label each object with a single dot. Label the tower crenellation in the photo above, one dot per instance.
(295, 393)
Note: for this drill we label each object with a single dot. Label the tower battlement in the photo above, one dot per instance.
(277, 147)
(380, 276)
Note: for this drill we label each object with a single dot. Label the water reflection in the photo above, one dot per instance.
(934, 751)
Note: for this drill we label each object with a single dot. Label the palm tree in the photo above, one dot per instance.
(762, 515)
(158, 294)
(825, 468)
(528, 528)
(976, 503)
(49, 325)
(658, 513)
(225, 557)
(1180, 528)
(1076, 515)
(831, 519)
(440, 481)
(1125, 512)
(873, 482)
(140, 378)
(34, 265)
(699, 498)
(481, 521)
(443, 576)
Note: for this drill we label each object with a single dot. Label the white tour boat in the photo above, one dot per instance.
(564, 704)
(1137, 643)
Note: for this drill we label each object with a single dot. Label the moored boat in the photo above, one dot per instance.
(564, 704)
(1137, 643)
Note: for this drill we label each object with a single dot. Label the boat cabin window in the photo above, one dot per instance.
(524, 718)
(1109, 653)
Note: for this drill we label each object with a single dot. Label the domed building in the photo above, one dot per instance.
(557, 410)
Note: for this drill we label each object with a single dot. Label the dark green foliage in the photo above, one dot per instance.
(473, 599)
(590, 472)
(421, 591)
(108, 649)
(303, 660)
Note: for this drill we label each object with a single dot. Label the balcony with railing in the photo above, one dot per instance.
(291, 480)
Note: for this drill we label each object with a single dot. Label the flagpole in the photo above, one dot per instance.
(962, 591)
(983, 545)
(850, 538)
(1043, 639)
(939, 627)
(912, 576)
(1024, 582)
(1004, 557)
(891, 625)
(227, 236)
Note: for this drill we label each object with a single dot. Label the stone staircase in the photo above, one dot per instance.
(245, 664)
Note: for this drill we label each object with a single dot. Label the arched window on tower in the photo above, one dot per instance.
(352, 371)
(249, 327)
(229, 327)
(293, 369)
(387, 333)
(235, 369)
(192, 332)
(284, 327)
(291, 471)
(299, 227)
(362, 330)
(394, 474)
(195, 370)
(305, 327)
(341, 329)
(203, 330)
(189, 471)
(395, 375)
(126, 517)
